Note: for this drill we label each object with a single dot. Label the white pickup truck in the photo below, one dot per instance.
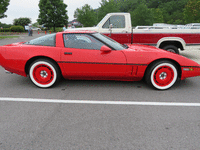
(118, 26)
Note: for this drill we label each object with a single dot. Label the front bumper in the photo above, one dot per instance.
(190, 71)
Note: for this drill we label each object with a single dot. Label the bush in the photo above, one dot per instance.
(5, 30)
(17, 29)
(58, 29)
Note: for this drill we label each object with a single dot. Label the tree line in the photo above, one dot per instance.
(143, 12)
(53, 13)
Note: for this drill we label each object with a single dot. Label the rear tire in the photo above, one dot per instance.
(171, 48)
(162, 75)
(44, 73)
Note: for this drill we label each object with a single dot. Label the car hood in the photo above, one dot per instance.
(144, 48)
(147, 54)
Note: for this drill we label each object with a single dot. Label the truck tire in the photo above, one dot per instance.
(171, 48)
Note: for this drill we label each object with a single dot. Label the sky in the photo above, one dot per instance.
(30, 9)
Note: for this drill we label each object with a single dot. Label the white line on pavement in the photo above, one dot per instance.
(98, 102)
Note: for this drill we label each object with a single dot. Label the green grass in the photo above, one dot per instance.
(8, 37)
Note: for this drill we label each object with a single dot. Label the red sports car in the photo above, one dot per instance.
(92, 56)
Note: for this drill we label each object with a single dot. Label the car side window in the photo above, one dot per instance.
(47, 40)
(117, 21)
(81, 41)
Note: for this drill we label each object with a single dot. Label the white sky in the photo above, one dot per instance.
(30, 9)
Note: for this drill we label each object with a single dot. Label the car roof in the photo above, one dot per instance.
(78, 31)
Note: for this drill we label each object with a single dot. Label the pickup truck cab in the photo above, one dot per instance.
(118, 26)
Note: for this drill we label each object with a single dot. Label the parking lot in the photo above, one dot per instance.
(100, 115)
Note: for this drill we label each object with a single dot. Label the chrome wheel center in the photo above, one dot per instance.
(163, 75)
(43, 74)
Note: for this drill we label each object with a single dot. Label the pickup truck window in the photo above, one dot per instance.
(117, 21)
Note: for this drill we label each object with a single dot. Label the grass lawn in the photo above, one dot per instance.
(8, 37)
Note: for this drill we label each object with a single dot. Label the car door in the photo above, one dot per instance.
(83, 58)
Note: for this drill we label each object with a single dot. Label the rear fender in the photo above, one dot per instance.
(171, 39)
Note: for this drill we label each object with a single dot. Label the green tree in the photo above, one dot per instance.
(36, 24)
(107, 7)
(3, 7)
(192, 11)
(22, 21)
(142, 16)
(86, 15)
(4, 25)
(156, 3)
(127, 5)
(173, 11)
(157, 15)
(53, 13)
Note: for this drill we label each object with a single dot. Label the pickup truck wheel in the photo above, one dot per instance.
(162, 75)
(44, 73)
(171, 48)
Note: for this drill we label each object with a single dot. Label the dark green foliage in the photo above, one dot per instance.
(53, 13)
(86, 15)
(4, 25)
(5, 30)
(147, 12)
(17, 29)
(192, 11)
(157, 15)
(173, 11)
(127, 5)
(142, 16)
(107, 7)
(3, 7)
(21, 21)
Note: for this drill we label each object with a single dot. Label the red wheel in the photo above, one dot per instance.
(44, 73)
(162, 75)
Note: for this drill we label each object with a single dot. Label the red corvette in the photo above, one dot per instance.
(92, 56)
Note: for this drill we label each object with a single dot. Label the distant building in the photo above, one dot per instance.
(75, 23)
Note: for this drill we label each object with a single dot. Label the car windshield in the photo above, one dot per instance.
(112, 43)
(47, 40)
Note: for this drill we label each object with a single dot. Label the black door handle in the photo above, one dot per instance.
(68, 53)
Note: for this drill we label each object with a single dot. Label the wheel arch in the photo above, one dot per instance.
(30, 61)
(173, 61)
(178, 42)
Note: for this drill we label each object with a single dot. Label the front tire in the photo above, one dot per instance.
(44, 73)
(162, 75)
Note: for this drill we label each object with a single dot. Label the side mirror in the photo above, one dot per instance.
(110, 27)
(105, 49)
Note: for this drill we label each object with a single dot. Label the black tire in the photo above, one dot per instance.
(171, 48)
(162, 75)
(44, 73)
